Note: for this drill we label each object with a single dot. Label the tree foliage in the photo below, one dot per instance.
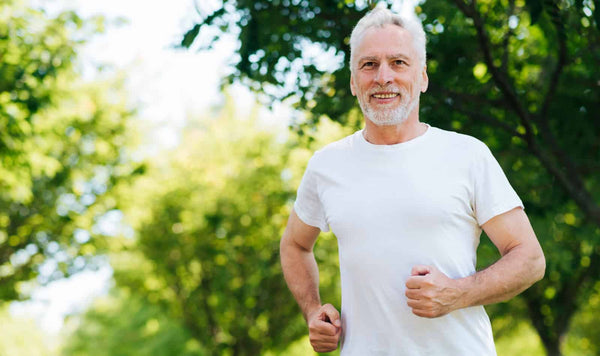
(63, 147)
(127, 325)
(521, 75)
(209, 216)
(515, 90)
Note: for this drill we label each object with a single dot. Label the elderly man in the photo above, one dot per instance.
(407, 203)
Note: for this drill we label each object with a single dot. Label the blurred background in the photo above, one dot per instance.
(150, 153)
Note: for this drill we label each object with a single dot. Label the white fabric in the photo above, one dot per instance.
(392, 207)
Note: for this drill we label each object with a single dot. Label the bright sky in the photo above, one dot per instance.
(167, 83)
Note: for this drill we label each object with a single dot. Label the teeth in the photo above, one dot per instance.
(385, 96)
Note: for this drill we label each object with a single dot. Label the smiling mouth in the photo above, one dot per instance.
(385, 95)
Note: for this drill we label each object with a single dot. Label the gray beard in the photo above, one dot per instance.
(389, 117)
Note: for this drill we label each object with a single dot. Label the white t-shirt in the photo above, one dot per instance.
(395, 206)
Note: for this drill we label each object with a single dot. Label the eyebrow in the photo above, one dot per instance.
(375, 58)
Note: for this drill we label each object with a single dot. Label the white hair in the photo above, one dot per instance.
(381, 16)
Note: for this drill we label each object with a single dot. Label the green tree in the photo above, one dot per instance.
(209, 216)
(125, 324)
(521, 75)
(63, 148)
(584, 334)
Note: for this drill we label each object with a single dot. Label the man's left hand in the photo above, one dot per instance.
(431, 293)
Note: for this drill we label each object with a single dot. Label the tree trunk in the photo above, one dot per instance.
(551, 334)
(553, 348)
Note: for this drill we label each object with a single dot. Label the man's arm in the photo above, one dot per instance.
(302, 276)
(431, 294)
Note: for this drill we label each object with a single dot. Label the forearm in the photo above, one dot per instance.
(522, 262)
(514, 272)
(301, 275)
(430, 293)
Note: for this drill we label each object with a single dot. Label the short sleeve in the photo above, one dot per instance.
(493, 194)
(308, 205)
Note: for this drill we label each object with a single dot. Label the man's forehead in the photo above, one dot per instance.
(387, 40)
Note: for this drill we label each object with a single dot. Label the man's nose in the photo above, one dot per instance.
(384, 75)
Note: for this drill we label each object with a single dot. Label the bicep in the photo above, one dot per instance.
(511, 229)
(299, 234)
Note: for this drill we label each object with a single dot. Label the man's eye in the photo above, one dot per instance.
(399, 62)
(368, 64)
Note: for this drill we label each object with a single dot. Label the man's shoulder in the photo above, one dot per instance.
(342, 144)
(459, 141)
(335, 150)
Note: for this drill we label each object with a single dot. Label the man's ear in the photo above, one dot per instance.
(424, 80)
(352, 85)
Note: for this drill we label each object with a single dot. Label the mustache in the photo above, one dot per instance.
(387, 89)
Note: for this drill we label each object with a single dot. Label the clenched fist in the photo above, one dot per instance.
(324, 328)
(431, 293)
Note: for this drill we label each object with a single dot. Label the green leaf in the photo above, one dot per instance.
(190, 36)
(536, 8)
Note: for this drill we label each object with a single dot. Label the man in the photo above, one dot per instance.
(407, 203)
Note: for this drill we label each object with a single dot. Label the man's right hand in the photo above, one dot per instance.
(324, 328)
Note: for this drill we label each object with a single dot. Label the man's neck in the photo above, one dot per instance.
(393, 134)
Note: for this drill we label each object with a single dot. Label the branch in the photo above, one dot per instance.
(500, 78)
(466, 97)
(459, 98)
(575, 180)
(554, 12)
(465, 8)
(507, 36)
(568, 178)
(477, 115)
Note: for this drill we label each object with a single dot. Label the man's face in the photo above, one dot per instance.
(387, 77)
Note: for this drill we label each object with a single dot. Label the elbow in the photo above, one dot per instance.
(539, 266)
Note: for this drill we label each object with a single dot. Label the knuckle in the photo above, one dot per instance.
(428, 294)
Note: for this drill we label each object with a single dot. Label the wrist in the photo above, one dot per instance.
(310, 311)
(462, 287)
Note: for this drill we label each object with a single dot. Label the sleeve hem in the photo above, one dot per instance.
(309, 220)
(497, 210)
